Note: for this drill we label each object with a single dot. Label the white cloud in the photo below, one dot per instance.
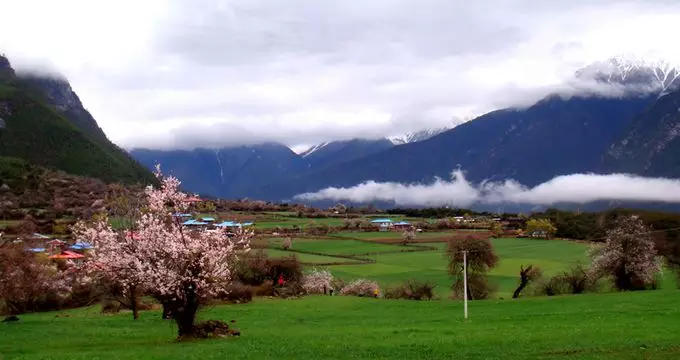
(576, 188)
(182, 73)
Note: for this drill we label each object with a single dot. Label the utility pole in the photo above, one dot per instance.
(465, 287)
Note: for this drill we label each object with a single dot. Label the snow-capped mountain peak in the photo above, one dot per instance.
(633, 70)
(416, 136)
(313, 149)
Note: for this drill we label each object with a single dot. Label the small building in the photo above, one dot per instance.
(402, 225)
(385, 224)
(81, 245)
(194, 223)
(67, 255)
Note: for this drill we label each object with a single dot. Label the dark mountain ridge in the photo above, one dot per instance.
(45, 124)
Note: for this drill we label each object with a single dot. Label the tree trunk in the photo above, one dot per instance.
(134, 302)
(522, 284)
(523, 281)
(167, 314)
(185, 313)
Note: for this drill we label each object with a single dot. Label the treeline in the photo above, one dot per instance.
(593, 225)
(436, 212)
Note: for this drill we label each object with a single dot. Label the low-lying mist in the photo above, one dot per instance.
(458, 191)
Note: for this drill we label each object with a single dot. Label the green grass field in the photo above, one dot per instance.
(642, 325)
(392, 267)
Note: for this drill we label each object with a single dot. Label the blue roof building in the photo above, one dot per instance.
(382, 221)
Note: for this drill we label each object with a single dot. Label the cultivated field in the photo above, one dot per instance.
(390, 263)
(641, 325)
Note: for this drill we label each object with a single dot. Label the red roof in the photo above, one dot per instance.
(67, 255)
(132, 235)
(194, 199)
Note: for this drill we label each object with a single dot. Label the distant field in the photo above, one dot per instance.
(336, 246)
(390, 268)
(373, 235)
(622, 326)
(6, 223)
(311, 259)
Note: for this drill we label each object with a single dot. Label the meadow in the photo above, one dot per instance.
(393, 264)
(641, 325)
(591, 326)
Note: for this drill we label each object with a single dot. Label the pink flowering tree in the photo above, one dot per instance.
(113, 261)
(28, 280)
(182, 267)
(628, 256)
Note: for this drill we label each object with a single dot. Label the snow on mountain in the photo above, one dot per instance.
(416, 136)
(660, 75)
(313, 149)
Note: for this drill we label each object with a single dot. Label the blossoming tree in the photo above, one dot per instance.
(181, 267)
(628, 256)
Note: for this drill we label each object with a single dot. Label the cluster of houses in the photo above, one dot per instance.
(210, 222)
(388, 224)
(58, 249)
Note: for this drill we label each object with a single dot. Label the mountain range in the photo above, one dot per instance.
(634, 131)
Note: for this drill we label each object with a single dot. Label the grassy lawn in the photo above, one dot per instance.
(373, 235)
(391, 269)
(336, 247)
(310, 259)
(620, 326)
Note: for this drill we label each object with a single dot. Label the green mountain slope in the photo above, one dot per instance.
(42, 133)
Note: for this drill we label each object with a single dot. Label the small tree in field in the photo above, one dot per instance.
(628, 255)
(408, 236)
(526, 275)
(287, 243)
(112, 262)
(181, 267)
(480, 259)
(27, 280)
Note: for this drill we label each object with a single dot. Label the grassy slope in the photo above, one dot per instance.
(606, 326)
(37, 133)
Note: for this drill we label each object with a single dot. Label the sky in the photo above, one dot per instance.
(197, 73)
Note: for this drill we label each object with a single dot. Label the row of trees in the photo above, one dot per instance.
(629, 257)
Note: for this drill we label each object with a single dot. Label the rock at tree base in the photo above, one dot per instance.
(215, 328)
(11, 319)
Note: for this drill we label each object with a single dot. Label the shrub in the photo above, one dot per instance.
(287, 243)
(361, 288)
(578, 280)
(264, 289)
(551, 287)
(411, 290)
(478, 287)
(317, 282)
(238, 293)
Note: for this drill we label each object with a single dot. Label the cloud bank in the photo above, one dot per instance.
(186, 73)
(458, 191)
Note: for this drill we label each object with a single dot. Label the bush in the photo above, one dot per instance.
(578, 280)
(257, 270)
(411, 290)
(478, 288)
(551, 287)
(361, 288)
(317, 282)
(238, 293)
